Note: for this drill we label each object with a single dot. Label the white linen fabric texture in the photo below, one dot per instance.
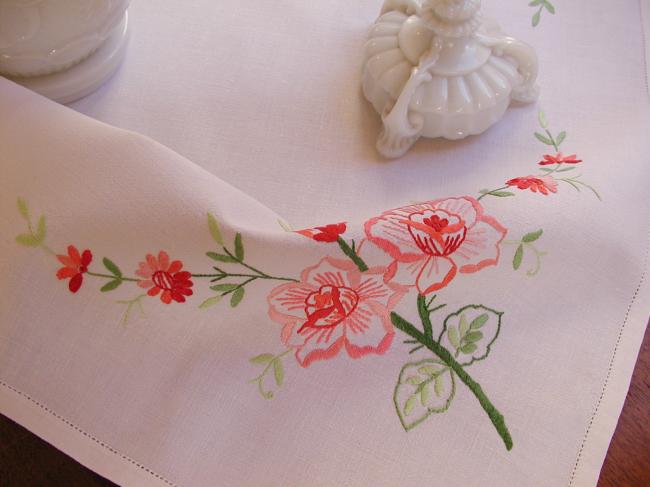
(266, 97)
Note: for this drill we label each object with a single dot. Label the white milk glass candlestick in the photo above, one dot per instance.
(63, 49)
(436, 68)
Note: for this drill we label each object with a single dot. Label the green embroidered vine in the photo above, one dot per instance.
(270, 362)
(432, 388)
(527, 242)
(236, 255)
(541, 6)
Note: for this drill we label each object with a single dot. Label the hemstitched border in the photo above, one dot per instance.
(88, 435)
(644, 40)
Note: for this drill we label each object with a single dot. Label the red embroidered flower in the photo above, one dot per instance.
(328, 233)
(335, 306)
(559, 159)
(431, 242)
(159, 274)
(543, 184)
(75, 267)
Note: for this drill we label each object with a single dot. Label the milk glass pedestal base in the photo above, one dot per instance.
(85, 77)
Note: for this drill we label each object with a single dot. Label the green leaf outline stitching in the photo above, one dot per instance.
(488, 348)
(400, 381)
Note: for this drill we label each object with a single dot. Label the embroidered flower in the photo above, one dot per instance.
(328, 233)
(75, 266)
(431, 242)
(543, 184)
(559, 159)
(159, 274)
(335, 306)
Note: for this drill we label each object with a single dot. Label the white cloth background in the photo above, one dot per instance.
(266, 97)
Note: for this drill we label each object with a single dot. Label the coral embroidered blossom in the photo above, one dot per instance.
(328, 233)
(431, 242)
(75, 266)
(162, 276)
(541, 184)
(335, 306)
(559, 159)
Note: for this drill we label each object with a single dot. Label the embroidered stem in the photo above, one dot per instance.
(271, 361)
(351, 253)
(441, 352)
(574, 181)
(129, 308)
(112, 277)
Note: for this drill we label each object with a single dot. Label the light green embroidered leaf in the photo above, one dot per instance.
(519, 256)
(549, 6)
(215, 231)
(500, 194)
(536, 18)
(472, 345)
(535, 3)
(239, 247)
(423, 388)
(285, 226)
(40, 230)
(532, 236)
(262, 359)
(464, 326)
(236, 297)
(220, 257)
(565, 169)
(542, 115)
(560, 138)
(479, 321)
(23, 208)
(28, 240)
(111, 285)
(544, 139)
(278, 372)
(224, 287)
(210, 302)
(112, 267)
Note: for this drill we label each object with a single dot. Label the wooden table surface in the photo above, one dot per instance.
(27, 461)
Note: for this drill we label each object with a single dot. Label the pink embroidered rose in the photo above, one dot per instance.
(335, 306)
(433, 241)
(541, 184)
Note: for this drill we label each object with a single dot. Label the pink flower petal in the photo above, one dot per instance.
(435, 274)
(481, 246)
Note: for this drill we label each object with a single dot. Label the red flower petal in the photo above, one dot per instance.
(66, 273)
(75, 282)
(86, 258)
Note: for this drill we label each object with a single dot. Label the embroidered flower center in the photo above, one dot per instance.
(329, 306)
(163, 280)
(437, 232)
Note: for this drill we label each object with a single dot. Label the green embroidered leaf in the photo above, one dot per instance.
(532, 236)
(112, 268)
(501, 194)
(28, 240)
(423, 388)
(109, 286)
(285, 226)
(463, 327)
(544, 139)
(220, 257)
(560, 138)
(565, 169)
(536, 18)
(479, 321)
(224, 287)
(210, 302)
(278, 371)
(40, 230)
(23, 208)
(473, 345)
(236, 297)
(469, 348)
(535, 3)
(239, 247)
(262, 359)
(549, 6)
(215, 231)
(542, 115)
(519, 256)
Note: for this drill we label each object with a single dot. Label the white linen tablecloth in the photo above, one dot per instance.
(266, 97)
